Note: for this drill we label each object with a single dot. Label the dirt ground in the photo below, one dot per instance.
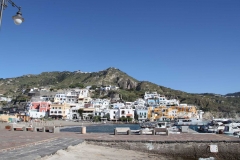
(92, 152)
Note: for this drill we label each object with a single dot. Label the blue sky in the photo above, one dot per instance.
(188, 45)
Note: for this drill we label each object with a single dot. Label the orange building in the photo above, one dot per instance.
(163, 113)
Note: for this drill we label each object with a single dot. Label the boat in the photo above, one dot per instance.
(232, 128)
(148, 125)
(223, 125)
(188, 122)
(237, 134)
(156, 124)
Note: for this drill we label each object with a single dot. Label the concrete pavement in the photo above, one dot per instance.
(32, 145)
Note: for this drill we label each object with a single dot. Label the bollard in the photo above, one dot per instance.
(34, 129)
(44, 129)
(50, 129)
(167, 132)
(55, 129)
(24, 129)
(12, 129)
(83, 130)
(153, 132)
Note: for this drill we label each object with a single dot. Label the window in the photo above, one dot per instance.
(114, 112)
(55, 112)
(59, 111)
(59, 108)
(52, 107)
(51, 111)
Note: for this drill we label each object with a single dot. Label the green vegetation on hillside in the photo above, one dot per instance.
(130, 88)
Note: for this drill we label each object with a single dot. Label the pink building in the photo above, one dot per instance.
(40, 106)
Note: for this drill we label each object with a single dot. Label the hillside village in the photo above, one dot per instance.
(77, 104)
(105, 88)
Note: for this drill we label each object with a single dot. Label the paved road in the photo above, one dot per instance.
(32, 145)
(35, 151)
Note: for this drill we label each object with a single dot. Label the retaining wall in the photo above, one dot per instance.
(178, 149)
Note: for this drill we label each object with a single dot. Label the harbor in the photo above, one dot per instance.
(150, 127)
(193, 144)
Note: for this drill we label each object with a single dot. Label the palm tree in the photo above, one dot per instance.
(80, 112)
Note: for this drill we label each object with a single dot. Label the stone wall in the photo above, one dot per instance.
(181, 150)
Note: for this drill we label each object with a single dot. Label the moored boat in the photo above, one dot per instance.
(188, 122)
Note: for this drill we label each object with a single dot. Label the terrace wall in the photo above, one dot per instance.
(180, 149)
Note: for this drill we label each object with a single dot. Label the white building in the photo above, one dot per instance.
(60, 98)
(33, 113)
(139, 102)
(5, 99)
(148, 95)
(117, 105)
(83, 93)
(101, 113)
(72, 96)
(100, 104)
(155, 99)
(129, 104)
(116, 114)
(84, 96)
(73, 112)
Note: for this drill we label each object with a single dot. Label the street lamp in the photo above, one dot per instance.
(18, 19)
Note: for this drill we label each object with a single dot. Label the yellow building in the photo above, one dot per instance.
(7, 118)
(59, 110)
(84, 100)
(87, 112)
(163, 113)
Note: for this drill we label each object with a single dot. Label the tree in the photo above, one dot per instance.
(90, 116)
(80, 85)
(107, 116)
(80, 112)
(123, 119)
(96, 118)
(93, 87)
(129, 119)
(135, 115)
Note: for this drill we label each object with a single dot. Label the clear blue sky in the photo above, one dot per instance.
(188, 45)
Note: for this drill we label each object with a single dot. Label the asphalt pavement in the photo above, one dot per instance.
(36, 151)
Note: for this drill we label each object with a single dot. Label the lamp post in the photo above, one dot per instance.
(18, 19)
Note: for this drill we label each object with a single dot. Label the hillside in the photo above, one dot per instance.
(130, 88)
(233, 94)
